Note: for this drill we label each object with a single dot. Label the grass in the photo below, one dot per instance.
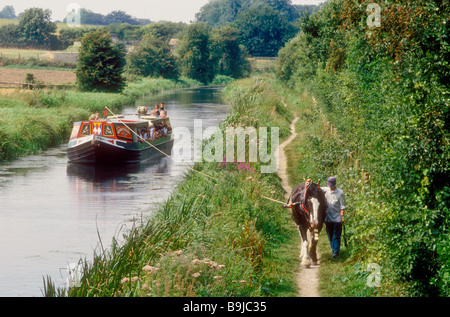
(319, 152)
(220, 238)
(212, 237)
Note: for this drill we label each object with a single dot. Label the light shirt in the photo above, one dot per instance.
(336, 202)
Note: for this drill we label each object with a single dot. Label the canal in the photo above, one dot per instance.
(53, 214)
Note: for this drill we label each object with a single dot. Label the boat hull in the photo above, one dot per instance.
(98, 151)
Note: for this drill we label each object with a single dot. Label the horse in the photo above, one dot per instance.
(308, 211)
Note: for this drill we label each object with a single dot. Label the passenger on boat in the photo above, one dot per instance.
(152, 133)
(163, 114)
(156, 111)
(94, 116)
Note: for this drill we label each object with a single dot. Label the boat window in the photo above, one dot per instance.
(108, 130)
(123, 132)
(85, 129)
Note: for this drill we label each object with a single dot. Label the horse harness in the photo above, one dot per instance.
(302, 203)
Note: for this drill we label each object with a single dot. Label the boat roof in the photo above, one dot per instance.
(129, 119)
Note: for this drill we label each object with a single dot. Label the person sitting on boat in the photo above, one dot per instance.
(164, 130)
(156, 111)
(163, 114)
(152, 133)
(94, 116)
(145, 134)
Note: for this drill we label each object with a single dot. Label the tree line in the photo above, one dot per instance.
(264, 26)
(205, 49)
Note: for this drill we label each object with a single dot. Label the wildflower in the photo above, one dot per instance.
(135, 278)
(195, 261)
(125, 280)
(220, 266)
(217, 276)
(195, 275)
(150, 269)
(178, 252)
(242, 281)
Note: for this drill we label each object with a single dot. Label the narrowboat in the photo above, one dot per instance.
(118, 140)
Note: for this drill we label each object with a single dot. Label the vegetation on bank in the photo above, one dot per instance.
(216, 235)
(384, 91)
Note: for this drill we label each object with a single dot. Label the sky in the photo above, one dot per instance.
(155, 10)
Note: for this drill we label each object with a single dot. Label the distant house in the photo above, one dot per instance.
(173, 45)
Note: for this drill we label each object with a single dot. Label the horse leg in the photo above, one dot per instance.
(306, 261)
(314, 241)
(313, 250)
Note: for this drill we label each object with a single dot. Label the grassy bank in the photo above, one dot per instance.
(215, 236)
(318, 152)
(32, 121)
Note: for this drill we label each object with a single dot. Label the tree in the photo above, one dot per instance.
(100, 63)
(220, 12)
(263, 30)
(152, 58)
(227, 55)
(91, 18)
(165, 30)
(194, 53)
(36, 28)
(120, 17)
(8, 12)
(10, 36)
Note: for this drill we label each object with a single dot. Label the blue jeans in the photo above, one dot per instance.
(334, 232)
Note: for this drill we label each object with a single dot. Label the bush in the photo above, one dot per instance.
(100, 63)
(388, 103)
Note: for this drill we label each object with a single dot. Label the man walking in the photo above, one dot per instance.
(335, 214)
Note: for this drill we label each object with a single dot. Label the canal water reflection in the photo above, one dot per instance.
(53, 213)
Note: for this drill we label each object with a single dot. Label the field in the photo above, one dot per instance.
(17, 75)
(59, 25)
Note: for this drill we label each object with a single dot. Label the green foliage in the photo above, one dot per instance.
(36, 28)
(212, 237)
(100, 63)
(8, 12)
(263, 30)
(194, 51)
(386, 90)
(152, 58)
(227, 55)
(164, 30)
(222, 12)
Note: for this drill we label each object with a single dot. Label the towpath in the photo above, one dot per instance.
(307, 279)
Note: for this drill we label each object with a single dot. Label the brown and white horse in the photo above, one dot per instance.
(309, 207)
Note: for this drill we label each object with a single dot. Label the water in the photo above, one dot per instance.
(53, 214)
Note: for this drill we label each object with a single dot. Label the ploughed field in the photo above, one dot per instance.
(17, 75)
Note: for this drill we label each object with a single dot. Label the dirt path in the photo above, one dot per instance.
(307, 279)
